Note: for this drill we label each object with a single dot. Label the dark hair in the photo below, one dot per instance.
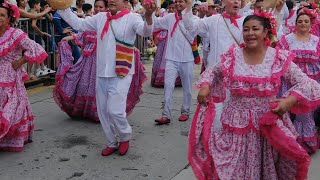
(308, 7)
(43, 3)
(165, 5)
(171, 2)
(18, 2)
(77, 2)
(104, 1)
(219, 2)
(289, 4)
(86, 7)
(32, 3)
(264, 21)
(301, 14)
(131, 3)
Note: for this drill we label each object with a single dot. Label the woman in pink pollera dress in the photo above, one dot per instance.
(16, 117)
(254, 138)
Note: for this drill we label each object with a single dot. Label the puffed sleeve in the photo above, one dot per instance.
(33, 52)
(195, 25)
(306, 90)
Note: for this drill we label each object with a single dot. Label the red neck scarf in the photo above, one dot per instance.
(233, 19)
(176, 23)
(112, 17)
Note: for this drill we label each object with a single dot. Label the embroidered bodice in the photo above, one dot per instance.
(307, 53)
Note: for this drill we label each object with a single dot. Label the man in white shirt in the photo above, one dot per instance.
(221, 31)
(206, 44)
(179, 61)
(114, 76)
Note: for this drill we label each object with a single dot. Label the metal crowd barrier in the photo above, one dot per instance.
(142, 44)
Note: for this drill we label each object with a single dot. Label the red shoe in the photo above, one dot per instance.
(108, 151)
(123, 147)
(162, 121)
(183, 117)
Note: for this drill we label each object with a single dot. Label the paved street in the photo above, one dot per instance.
(65, 148)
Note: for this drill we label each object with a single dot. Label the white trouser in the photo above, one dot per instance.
(205, 58)
(111, 98)
(185, 71)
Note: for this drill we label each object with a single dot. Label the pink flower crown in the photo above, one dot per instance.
(312, 13)
(273, 24)
(13, 8)
(313, 5)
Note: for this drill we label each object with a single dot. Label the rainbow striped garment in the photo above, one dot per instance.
(195, 51)
(124, 57)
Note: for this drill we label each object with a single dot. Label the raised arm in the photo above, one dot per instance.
(26, 14)
(195, 26)
(161, 22)
(145, 28)
(281, 8)
(80, 24)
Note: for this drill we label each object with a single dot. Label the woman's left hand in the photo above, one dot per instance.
(284, 105)
(16, 64)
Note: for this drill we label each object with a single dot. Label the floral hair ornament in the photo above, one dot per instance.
(312, 13)
(16, 12)
(11, 7)
(271, 38)
(148, 2)
(313, 5)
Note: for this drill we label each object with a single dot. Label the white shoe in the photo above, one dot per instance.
(40, 73)
(48, 71)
